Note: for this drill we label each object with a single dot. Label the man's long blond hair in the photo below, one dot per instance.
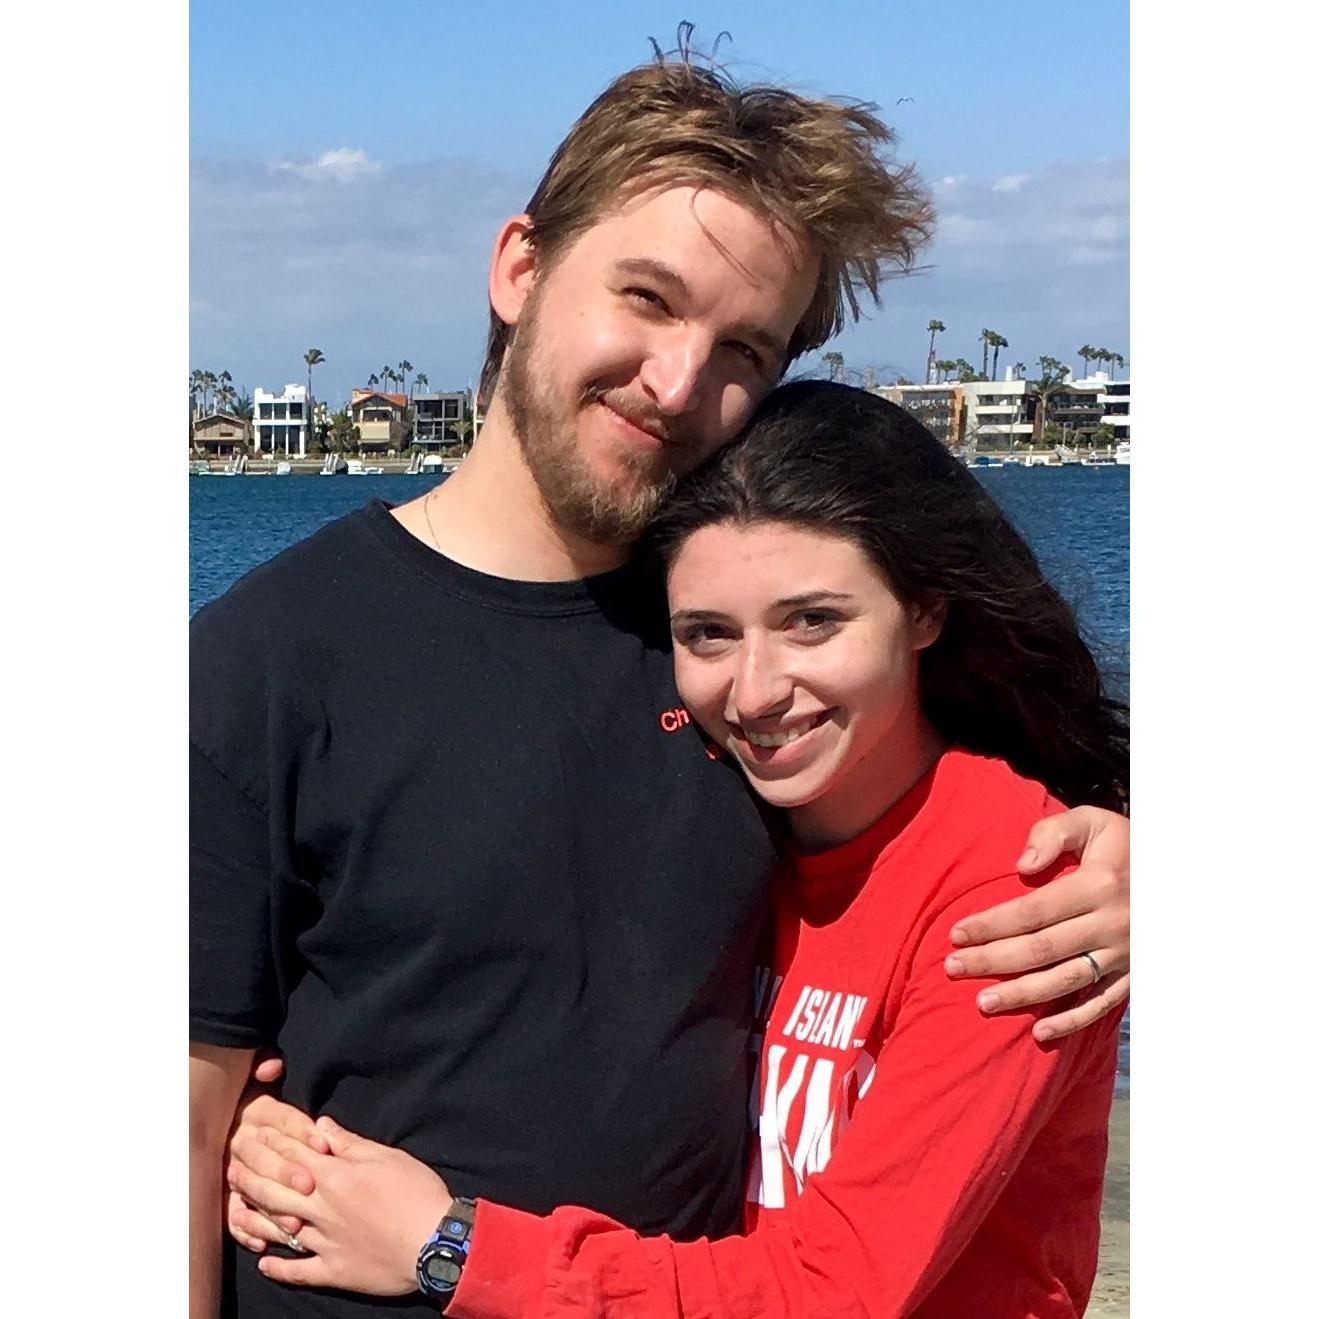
(816, 167)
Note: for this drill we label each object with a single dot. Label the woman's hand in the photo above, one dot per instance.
(368, 1217)
(1086, 911)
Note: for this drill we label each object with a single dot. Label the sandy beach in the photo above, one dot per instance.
(1111, 1298)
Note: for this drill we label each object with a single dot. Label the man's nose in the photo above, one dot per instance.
(674, 372)
(762, 684)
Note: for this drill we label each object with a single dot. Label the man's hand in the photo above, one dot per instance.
(372, 1210)
(258, 1111)
(1084, 912)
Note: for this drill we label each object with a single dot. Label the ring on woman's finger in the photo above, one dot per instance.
(1094, 967)
(293, 1243)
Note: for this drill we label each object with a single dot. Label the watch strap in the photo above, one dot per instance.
(440, 1260)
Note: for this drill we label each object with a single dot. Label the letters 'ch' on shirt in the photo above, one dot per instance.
(460, 856)
(910, 1156)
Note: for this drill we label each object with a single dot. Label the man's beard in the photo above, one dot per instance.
(578, 499)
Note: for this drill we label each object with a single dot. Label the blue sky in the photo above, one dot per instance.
(352, 161)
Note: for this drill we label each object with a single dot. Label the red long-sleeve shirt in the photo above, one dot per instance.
(912, 1156)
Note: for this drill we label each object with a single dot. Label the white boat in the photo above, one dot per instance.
(1066, 456)
(284, 469)
(1122, 454)
(357, 468)
(334, 465)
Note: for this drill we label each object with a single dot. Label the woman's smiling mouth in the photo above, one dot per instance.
(770, 738)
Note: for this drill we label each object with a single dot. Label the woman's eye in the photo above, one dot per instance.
(703, 638)
(814, 623)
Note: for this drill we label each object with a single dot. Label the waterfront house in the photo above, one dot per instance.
(282, 424)
(1084, 405)
(220, 435)
(1116, 399)
(939, 408)
(381, 420)
(439, 419)
(999, 413)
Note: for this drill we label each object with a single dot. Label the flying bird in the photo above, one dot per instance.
(912, 99)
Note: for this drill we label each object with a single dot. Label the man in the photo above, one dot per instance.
(506, 918)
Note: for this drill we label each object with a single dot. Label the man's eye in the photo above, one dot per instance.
(746, 351)
(646, 298)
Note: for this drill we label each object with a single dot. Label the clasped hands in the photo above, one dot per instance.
(360, 1209)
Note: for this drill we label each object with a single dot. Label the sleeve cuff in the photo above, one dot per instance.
(503, 1277)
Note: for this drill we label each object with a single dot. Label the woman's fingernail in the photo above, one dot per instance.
(1028, 857)
(959, 937)
(1043, 1033)
(954, 966)
(989, 1001)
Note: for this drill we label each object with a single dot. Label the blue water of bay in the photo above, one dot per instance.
(1075, 518)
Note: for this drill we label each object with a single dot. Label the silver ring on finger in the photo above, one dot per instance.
(293, 1243)
(1094, 966)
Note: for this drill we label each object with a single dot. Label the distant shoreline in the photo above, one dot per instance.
(399, 466)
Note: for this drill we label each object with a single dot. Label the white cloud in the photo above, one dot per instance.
(391, 267)
(343, 164)
(1046, 264)
(1010, 182)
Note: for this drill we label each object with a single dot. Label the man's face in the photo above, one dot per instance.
(644, 346)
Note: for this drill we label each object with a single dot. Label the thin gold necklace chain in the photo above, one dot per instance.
(426, 508)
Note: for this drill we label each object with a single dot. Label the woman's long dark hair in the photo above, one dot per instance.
(1009, 675)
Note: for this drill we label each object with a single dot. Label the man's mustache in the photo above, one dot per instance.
(644, 415)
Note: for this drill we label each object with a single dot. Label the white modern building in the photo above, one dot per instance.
(280, 422)
(1000, 414)
(1097, 401)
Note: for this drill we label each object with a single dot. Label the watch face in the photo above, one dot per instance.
(441, 1271)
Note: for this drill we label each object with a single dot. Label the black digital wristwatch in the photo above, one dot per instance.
(440, 1263)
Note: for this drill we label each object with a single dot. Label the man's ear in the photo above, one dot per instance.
(512, 269)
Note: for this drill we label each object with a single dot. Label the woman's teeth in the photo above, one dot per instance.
(777, 739)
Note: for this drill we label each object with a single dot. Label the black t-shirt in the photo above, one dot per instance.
(460, 856)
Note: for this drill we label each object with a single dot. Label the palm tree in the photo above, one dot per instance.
(1050, 382)
(420, 380)
(935, 327)
(1118, 361)
(986, 338)
(1088, 355)
(194, 387)
(999, 342)
(313, 357)
(965, 371)
(386, 374)
(404, 367)
(372, 381)
(835, 363)
(942, 367)
(209, 382)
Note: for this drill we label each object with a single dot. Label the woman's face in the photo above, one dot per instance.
(794, 655)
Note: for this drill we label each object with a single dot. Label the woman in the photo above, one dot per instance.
(858, 625)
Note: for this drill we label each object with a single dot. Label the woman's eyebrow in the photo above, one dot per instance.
(810, 598)
(695, 615)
